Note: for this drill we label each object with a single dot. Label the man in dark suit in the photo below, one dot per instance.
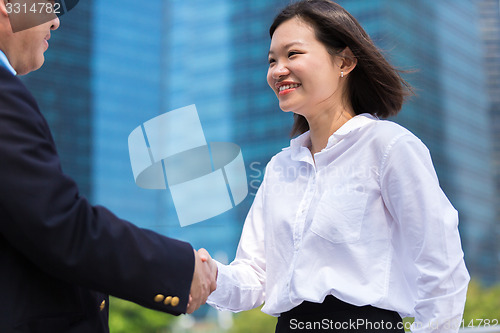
(60, 256)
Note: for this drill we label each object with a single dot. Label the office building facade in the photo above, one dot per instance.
(438, 42)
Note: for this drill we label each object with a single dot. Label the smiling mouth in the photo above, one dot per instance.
(290, 86)
(287, 88)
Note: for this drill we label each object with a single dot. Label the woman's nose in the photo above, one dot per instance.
(280, 71)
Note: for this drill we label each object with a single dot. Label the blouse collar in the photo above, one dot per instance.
(300, 144)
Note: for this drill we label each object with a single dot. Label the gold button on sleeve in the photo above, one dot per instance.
(103, 305)
(159, 298)
(167, 300)
(175, 301)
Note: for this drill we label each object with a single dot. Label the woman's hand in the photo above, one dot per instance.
(205, 257)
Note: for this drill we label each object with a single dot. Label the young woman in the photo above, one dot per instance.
(349, 230)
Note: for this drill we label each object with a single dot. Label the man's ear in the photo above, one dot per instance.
(349, 61)
(3, 8)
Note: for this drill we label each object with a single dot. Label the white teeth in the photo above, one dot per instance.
(283, 88)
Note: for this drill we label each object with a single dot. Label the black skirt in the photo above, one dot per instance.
(333, 315)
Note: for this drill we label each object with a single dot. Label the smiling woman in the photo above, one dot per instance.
(375, 86)
(307, 79)
(361, 234)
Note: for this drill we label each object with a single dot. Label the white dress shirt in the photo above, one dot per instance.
(365, 221)
(5, 62)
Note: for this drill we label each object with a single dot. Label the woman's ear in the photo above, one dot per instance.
(348, 61)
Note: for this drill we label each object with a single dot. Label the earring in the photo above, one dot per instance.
(341, 74)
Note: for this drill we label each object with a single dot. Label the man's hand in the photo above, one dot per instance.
(202, 285)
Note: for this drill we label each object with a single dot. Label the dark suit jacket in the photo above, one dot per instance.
(59, 255)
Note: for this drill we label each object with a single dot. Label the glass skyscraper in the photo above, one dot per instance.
(175, 54)
(115, 64)
(126, 84)
(490, 28)
(439, 40)
(198, 46)
(64, 93)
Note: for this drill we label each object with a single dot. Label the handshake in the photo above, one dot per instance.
(204, 280)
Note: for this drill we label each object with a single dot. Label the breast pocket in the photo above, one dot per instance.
(339, 216)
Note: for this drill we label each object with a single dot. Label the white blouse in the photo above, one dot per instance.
(365, 221)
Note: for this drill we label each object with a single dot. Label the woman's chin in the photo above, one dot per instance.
(285, 108)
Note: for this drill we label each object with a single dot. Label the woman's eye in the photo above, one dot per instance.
(292, 53)
(271, 61)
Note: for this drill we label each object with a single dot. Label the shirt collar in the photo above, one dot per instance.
(299, 145)
(5, 62)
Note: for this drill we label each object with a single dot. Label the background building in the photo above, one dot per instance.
(115, 64)
(64, 92)
(490, 32)
(451, 110)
